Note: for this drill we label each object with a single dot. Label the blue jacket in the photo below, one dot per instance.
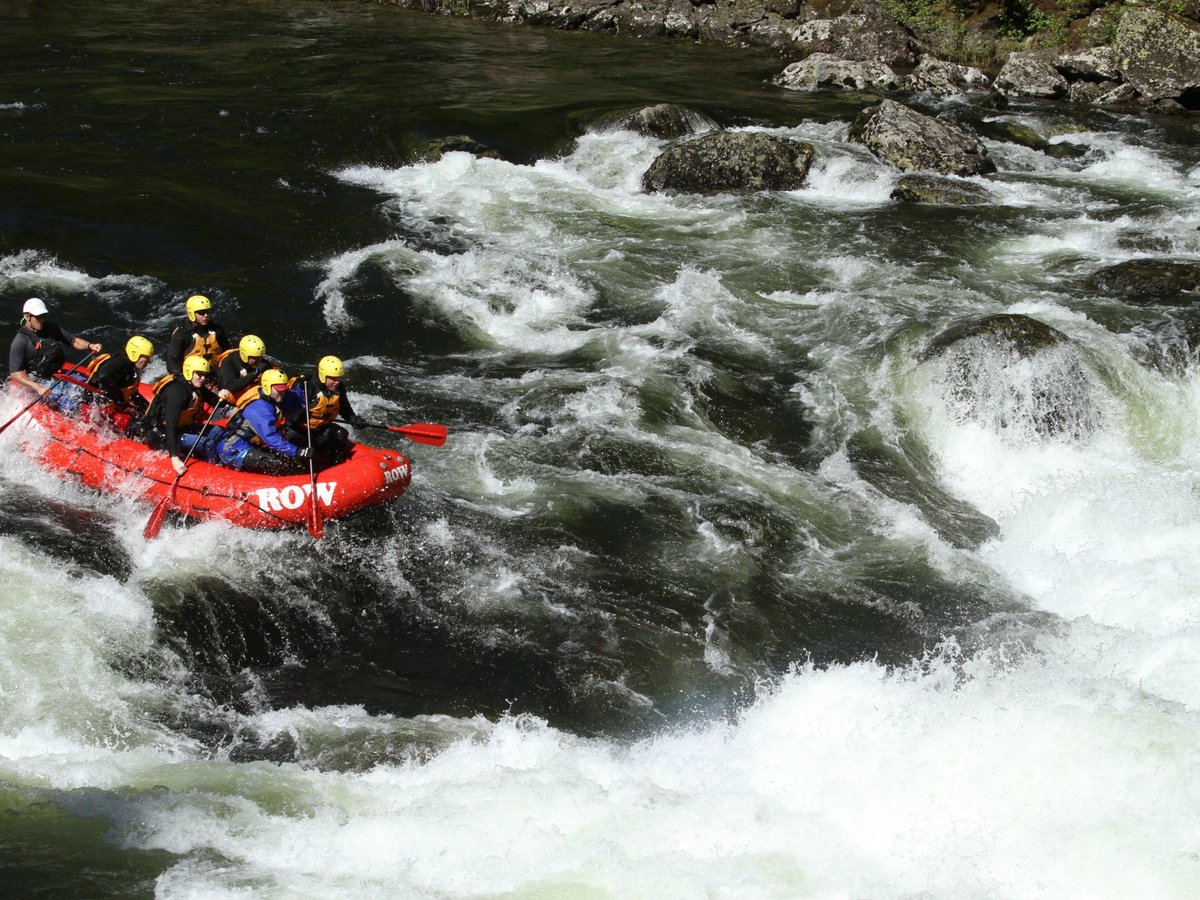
(261, 416)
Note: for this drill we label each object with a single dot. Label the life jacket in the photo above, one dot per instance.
(248, 393)
(93, 368)
(48, 354)
(202, 345)
(191, 414)
(324, 409)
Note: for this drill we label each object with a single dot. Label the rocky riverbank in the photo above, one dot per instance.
(1115, 55)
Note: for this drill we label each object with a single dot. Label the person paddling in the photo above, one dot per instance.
(39, 348)
(326, 400)
(199, 335)
(253, 441)
(176, 414)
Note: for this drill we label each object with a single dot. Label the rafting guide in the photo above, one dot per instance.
(223, 435)
(39, 348)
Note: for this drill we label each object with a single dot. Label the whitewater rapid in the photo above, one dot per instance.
(1051, 751)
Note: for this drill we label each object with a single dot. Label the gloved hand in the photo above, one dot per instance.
(304, 453)
(178, 465)
(358, 422)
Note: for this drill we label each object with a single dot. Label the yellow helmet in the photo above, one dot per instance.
(269, 379)
(194, 364)
(137, 347)
(197, 303)
(251, 345)
(330, 367)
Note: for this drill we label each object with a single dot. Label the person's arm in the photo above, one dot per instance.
(112, 378)
(346, 411)
(180, 338)
(82, 343)
(17, 355)
(222, 337)
(173, 404)
(234, 375)
(212, 398)
(294, 404)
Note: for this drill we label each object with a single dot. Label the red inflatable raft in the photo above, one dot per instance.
(91, 449)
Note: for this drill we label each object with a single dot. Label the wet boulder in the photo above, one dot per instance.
(1016, 376)
(915, 142)
(919, 188)
(945, 79)
(1018, 334)
(1159, 55)
(731, 162)
(662, 120)
(1031, 75)
(1148, 281)
(822, 71)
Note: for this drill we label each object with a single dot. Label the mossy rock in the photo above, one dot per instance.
(934, 189)
(435, 148)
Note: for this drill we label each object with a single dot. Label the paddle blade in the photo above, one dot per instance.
(316, 521)
(422, 433)
(155, 523)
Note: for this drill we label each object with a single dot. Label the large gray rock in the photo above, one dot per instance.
(1031, 75)
(731, 162)
(1091, 64)
(945, 79)
(1159, 53)
(820, 70)
(866, 33)
(915, 142)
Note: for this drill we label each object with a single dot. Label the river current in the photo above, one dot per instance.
(718, 587)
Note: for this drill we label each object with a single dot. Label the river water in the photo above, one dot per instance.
(716, 589)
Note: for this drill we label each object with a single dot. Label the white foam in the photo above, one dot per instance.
(1021, 780)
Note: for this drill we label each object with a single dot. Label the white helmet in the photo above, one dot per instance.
(35, 306)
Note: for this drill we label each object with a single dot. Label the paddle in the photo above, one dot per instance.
(155, 523)
(38, 398)
(35, 402)
(421, 432)
(316, 527)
